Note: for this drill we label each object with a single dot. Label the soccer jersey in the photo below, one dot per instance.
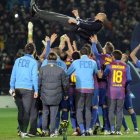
(118, 78)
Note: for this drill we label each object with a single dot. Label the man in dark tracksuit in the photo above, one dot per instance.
(84, 28)
(24, 77)
(51, 80)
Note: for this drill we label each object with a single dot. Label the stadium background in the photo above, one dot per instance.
(122, 28)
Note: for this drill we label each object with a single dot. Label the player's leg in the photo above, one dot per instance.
(120, 104)
(111, 109)
(39, 126)
(27, 96)
(53, 115)
(129, 107)
(79, 106)
(94, 109)
(45, 119)
(33, 117)
(89, 97)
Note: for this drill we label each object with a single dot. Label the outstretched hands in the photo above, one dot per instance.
(76, 14)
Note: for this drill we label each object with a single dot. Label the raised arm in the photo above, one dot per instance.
(74, 45)
(133, 56)
(30, 32)
(69, 44)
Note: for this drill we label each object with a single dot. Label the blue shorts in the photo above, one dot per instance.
(95, 98)
(128, 102)
(72, 98)
(102, 97)
(64, 103)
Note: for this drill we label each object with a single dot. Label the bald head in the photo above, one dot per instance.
(101, 16)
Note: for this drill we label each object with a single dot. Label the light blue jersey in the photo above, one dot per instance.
(24, 73)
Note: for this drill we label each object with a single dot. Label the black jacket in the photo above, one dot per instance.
(51, 80)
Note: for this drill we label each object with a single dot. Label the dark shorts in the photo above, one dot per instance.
(95, 98)
(128, 102)
(64, 103)
(102, 97)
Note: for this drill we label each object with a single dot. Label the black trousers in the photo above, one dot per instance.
(33, 117)
(115, 105)
(83, 102)
(49, 110)
(23, 99)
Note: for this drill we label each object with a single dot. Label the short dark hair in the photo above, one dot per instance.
(83, 51)
(109, 47)
(117, 54)
(63, 55)
(57, 51)
(30, 48)
(75, 55)
(126, 57)
(88, 46)
(52, 56)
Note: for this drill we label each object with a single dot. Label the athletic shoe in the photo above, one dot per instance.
(78, 130)
(106, 132)
(90, 131)
(87, 134)
(83, 134)
(136, 131)
(112, 133)
(31, 135)
(52, 135)
(118, 133)
(39, 131)
(96, 129)
(43, 134)
(127, 131)
(75, 134)
(56, 132)
(23, 135)
(19, 133)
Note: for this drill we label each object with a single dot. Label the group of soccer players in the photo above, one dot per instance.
(111, 86)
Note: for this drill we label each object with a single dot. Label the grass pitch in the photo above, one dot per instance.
(8, 129)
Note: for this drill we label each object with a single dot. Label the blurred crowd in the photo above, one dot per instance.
(123, 16)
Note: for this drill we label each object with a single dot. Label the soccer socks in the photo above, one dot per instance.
(82, 128)
(73, 121)
(124, 123)
(105, 116)
(112, 128)
(98, 120)
(57, 120)
(64, 115)
(40, 121)
(94, 117)
(134, 120)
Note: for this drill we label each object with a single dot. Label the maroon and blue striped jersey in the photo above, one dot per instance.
(118, 78)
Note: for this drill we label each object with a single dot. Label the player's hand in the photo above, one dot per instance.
(30, 25)
(47, 38)
(72, 21)
(35, 95)
(76, 14)
(66, 97)
(93, 39)
(11, 91)
(44, 43)
(53, 37)
(67, 39)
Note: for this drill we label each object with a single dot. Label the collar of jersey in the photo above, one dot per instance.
(51, 62)
(117, 60)
(84, 56)
(28, 55)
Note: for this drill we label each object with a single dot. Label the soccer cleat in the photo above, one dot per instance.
(96, 129)
(83, 134)
(87, 134)
(106, 132)
(112, 133)
(75, 134)
(39, 131)
(56, 132)
(52, 135)
(31, 135)
(127, 131)
(19, 133)
(136, 131)
(43, 134)
(118, 133)
(78, 129)
(90, 131)
(23, 135)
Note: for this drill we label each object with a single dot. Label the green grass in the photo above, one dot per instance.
(8, 129)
